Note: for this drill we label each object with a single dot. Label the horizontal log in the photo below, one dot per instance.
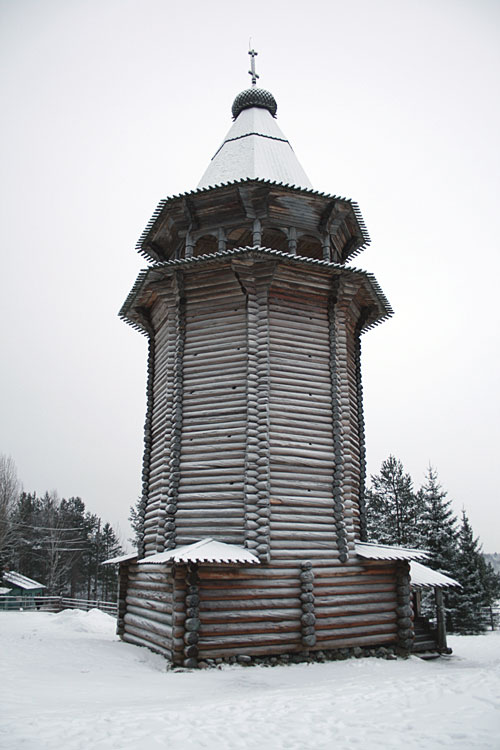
(155, 604)
(257, 643)
(150, 614)
(326, 620)
(144, 624)
(283, 647)
(161, 647)
(353, 630)
(349, 601)
(149, 572)
(324, 641)
(285, 530)
(265, 618)
(139, 587)
(251, 603)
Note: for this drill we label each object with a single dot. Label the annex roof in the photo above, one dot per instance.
(423, 577)
(22, 582)
(205, 551)
(120, 559)
(387, 552)
(4, 591)
(255, 147)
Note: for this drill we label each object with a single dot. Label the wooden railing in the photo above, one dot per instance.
(54, 604)
(491, 617)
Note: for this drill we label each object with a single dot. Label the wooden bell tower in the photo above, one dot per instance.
(253, 478)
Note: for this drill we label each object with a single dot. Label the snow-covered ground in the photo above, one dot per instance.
(67, 682)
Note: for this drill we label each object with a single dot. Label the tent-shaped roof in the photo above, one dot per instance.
(205, 551)
(22, 582)
(255, 147)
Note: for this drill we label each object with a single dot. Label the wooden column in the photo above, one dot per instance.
(404, 610)
(192, 621)
(178, 320)
(255, 279)
(308, 618)
(441, 620)
(122, 596)
(338, 474)
(361, 426)
(146, 459)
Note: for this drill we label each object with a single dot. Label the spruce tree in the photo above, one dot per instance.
(466, 603)
(392, 508)
(437, 525)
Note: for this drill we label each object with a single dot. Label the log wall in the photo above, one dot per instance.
(254, 436)
(283, 609)
(150, 619)
(211, 498)
(301, 421)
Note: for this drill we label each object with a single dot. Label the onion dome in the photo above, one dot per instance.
(254, 97)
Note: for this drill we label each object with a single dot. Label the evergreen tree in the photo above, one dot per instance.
(466, 603)
(9, 493)
(393, 510)
(61, 545)
(491, 583)
(437, 525)
(110, 547)
(135, 519)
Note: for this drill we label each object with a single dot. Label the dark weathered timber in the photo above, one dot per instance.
(254, 430)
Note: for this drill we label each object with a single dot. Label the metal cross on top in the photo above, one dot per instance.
(253, 54)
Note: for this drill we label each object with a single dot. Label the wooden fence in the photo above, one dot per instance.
(491, 617)
(54, 604)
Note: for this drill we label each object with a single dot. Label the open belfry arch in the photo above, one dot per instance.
(253, 535)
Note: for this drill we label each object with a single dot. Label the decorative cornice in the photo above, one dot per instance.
(142, 241)
(254, 253)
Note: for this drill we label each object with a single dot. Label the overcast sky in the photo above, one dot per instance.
(110, 105)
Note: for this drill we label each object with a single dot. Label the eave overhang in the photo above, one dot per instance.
(212, 206)
(422, 577)
(207, 550)
(140, 295)
(372, 551)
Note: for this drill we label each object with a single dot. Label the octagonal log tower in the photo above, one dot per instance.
(252, 513)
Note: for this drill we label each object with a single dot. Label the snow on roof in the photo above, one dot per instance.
(120, 558)
(423, 577)
(3, 590)
(255, 147)
(387, 552)
(22, 582)
(206, 550)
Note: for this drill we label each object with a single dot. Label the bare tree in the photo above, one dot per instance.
(9, 493)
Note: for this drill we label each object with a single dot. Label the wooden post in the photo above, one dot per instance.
(325, 244)
(188, 252)
(221, 240)
(338, 475)
(176, 398)
(257, 232)
(308, 618)
(404, 610)
(147, 441)
(256, 281)
(192, 621)
(441, 620)
(292, 241)
(361, 426)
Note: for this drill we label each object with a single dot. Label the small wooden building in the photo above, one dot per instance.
(17, 590)
(253, 538)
